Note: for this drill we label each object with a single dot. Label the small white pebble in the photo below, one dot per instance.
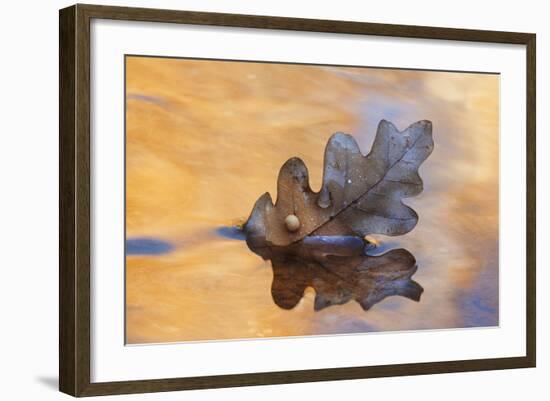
(292, 223)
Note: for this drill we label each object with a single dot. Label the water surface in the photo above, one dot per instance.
(205, 139)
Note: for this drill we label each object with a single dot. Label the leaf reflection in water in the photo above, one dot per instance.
(339, 270)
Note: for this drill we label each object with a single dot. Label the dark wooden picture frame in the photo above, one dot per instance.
(74, 199)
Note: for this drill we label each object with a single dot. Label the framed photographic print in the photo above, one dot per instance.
(251, 200)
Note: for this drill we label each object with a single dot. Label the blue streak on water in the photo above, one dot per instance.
(479, 304)
(231, 232)
(390, 304)
(146, 98)
(379, 107)
(147, 246)
(345, 324)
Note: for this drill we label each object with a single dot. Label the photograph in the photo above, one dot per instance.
(266, 199)
(274, 201)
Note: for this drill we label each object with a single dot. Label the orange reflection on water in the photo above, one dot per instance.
(205, 139)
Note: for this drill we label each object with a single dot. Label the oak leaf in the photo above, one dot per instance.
(360, 195)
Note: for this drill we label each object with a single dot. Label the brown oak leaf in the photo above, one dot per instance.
(360, 195)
